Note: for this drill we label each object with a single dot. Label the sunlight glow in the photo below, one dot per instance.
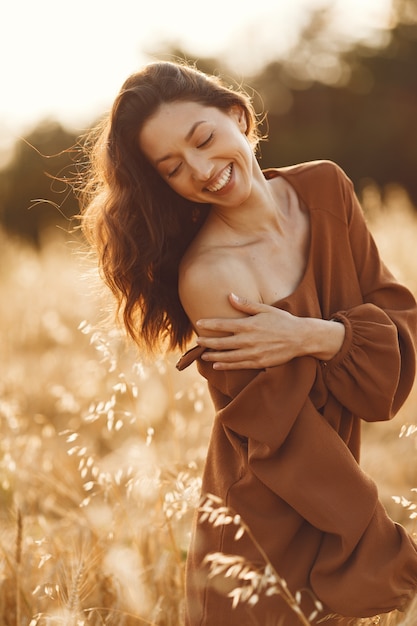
(69, 63)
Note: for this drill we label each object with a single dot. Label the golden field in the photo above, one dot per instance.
(102, 450)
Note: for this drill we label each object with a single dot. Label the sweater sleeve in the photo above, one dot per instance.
(374, 371)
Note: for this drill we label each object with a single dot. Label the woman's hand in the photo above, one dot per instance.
(267, 336)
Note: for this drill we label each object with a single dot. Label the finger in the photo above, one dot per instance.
(222, 344)
(237, 365)
(222, 325)
(247, 306)
(247, 362)
(243, 365)
(228, 356)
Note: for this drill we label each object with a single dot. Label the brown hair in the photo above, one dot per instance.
(138, 225)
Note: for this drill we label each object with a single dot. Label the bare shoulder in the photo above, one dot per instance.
(207, 277)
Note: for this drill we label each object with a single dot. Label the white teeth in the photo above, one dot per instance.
(223, 180)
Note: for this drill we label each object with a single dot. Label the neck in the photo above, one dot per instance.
(261, 212)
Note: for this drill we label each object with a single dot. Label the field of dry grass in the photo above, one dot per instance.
(101, 451)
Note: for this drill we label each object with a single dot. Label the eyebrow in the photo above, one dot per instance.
(187, 138)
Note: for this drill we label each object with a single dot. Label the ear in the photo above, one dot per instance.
(238, 114)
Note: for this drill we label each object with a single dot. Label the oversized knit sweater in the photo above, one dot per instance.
(284, 447)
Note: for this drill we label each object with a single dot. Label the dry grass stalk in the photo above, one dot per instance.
(19, 542)
(255, 582)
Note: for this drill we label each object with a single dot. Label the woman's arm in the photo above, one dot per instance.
(241, 333)
(266, 336)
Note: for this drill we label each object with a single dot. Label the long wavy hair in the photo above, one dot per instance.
(139, 227)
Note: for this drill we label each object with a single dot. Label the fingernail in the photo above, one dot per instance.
(234, 296)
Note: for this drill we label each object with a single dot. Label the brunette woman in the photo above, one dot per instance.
(302, 333)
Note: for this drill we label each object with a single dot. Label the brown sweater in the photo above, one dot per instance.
(284, 448)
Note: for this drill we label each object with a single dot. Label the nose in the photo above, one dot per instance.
(201, 168)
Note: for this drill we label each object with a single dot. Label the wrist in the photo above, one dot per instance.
(323, 338)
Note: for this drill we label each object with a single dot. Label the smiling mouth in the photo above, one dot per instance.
(222, 181)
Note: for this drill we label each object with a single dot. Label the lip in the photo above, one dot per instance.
(215, 180)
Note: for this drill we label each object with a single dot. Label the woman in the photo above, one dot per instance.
(318, 337)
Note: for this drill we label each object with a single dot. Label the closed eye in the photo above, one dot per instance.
(174, 171)
(207, 141)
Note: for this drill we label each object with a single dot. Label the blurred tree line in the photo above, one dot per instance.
(34, 197)
(357, 107)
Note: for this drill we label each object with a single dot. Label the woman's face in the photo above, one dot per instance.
(202, 152)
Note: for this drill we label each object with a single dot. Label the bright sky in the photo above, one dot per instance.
(68, 60)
